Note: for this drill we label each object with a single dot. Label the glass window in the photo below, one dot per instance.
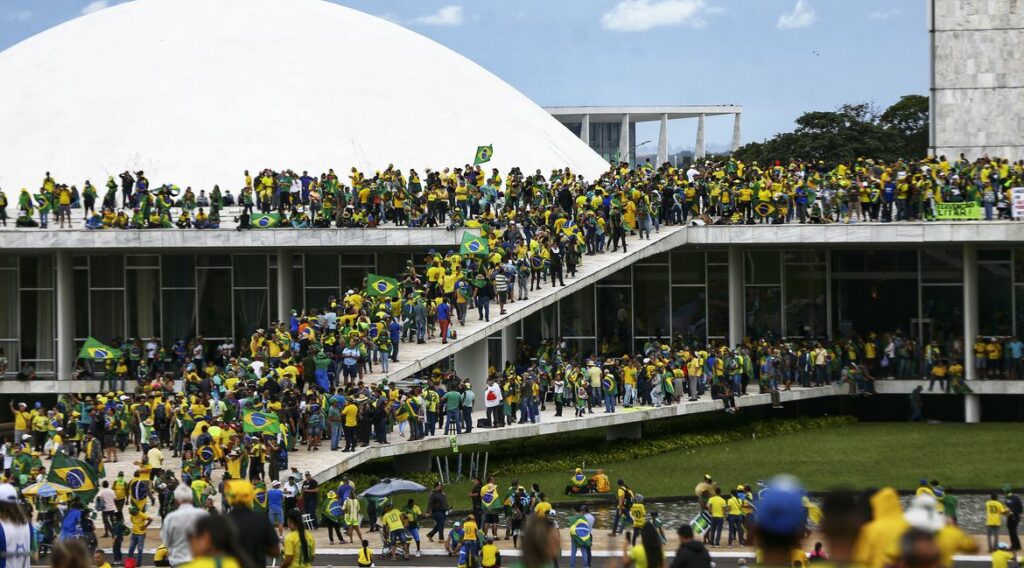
(621, 277)
(37, 325)
(580, 347)
(805, 300)
(322, 270)
(942, 308)
(994, 254)
(107, 315)
(651, 302)
(8, 299)
(143, 260)
(863, 305)
(214, 260)
(804, 256)
(614, 317)
(689, 313)
(106, 271)
(316, 298)
(81, 297)
(179, 271)
(179, 320)
(214, 303)
(660, 258)
(250, 311)
(718, 300)
(876, 261)
(36, 271)
(250, 270)
(392, 263)
(577, 314)
(539, 325)
(354, 277)
(718, 257)
(764, 311)
(995, 300)
(687, 268)
(942, 266)
(143, 296)
(359, 260)
(762, 267)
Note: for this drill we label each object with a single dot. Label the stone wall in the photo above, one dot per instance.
(978, 77)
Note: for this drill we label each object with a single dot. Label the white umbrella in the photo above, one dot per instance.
(391, 486)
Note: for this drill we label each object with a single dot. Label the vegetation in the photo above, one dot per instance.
(852, 131)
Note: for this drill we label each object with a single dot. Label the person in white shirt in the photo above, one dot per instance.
(492, 402)
(178, 525)
(14, 529)
(107, 502)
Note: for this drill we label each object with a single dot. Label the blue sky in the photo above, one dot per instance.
(777, 58)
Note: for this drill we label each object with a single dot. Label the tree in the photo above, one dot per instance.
(850, 132)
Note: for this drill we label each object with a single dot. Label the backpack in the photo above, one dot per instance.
(161, 412)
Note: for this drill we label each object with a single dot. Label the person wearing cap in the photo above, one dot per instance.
(261, 540)
(17, 542)
(275, 506)
(22, 420)
(780, 522)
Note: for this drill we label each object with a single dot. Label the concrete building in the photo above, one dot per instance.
(180, 90)
(611, 131)
(977, 78)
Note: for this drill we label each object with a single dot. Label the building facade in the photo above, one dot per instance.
(977, 78)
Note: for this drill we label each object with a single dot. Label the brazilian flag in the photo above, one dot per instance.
(259, 504)
(483, 154)
(490, 498)
(266, 220)
(333, 510)
(579, 530)
(260, 422)
(377, 286)
(93, 349)
(77, 475)
(474, 245)
(764, 209)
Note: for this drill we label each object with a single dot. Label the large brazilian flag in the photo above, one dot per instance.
(265, 220)
(74, 474)
(260, 423)
(473, 245)
(381, 286)
(93, 349)
(483, 154)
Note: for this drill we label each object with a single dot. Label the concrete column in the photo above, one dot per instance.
(698, 151)
(736, 308)
(972, 408)
(585, 129)
(736, 131)
(624, 146)
(663, 141)
(627, 431)
(65, 291)
(970, 258)
(471, 365)
(509, 343)
(284, 285)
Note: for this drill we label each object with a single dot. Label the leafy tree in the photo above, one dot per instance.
(850, 132)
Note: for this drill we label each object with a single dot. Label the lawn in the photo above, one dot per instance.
(975, 456)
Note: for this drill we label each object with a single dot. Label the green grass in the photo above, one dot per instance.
(859, 456)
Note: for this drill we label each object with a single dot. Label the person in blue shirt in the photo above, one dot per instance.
(395, 329)
(444, 318)
(275, 506)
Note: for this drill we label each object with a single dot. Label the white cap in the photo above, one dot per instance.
(26, 436)
(8, 492)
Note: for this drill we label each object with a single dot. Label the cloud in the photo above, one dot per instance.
(642, 15)
(447, 16)
(801, 16)
(884, 14)
(95, 6)
(15, 15)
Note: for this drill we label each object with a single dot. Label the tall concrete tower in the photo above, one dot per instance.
(977, 77)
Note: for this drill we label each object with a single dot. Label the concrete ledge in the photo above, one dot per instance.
(979, 387)
(863, 234)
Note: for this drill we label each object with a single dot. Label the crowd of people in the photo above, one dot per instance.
(719, 191)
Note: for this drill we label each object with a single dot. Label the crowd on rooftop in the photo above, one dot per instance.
(709, 191)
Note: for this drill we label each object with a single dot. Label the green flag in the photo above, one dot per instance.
(483, 154)
(93, 349)
(473, 245)
(381, 286)
(74, 474)
(260, 422)
(265, 220)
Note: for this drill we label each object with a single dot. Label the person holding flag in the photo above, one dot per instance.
(581, 538)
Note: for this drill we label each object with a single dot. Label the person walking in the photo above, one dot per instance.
(178, 525)
(437, 508)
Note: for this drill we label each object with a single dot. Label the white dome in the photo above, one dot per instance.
(195, 91)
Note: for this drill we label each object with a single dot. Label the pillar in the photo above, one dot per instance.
(736, 131)
(284, 285)
(509, 343)
(624, 139)
(471, 365)
(585, 129)
(972, 408)
(627, 431)
(735, 296)
(663, 141)
(970, 258)
(698, 151)
(65, 315)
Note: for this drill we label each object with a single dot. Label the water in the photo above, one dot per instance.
(971, 512)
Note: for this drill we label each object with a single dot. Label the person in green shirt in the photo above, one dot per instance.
(452, 400)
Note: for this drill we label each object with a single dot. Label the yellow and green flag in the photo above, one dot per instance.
(265, 220)
(381, 286)
(260, 423)
(93, 349)
(74, 474)
(483, 154)
(473, 245)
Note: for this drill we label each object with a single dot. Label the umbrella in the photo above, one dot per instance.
(392, 486)
(46, 489)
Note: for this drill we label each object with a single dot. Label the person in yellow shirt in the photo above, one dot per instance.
(22, 420)
(1003, 557)
(140, 522)
(716, 508)
(638, 515)
(299, 546)
(995, 510)
(734, 515)
(490, 556)
(395, 521)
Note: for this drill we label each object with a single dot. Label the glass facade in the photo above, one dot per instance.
(683, 294)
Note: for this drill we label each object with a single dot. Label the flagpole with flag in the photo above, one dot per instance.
(93, 349)
(483, 154)
(381, 286)
(475, 246)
